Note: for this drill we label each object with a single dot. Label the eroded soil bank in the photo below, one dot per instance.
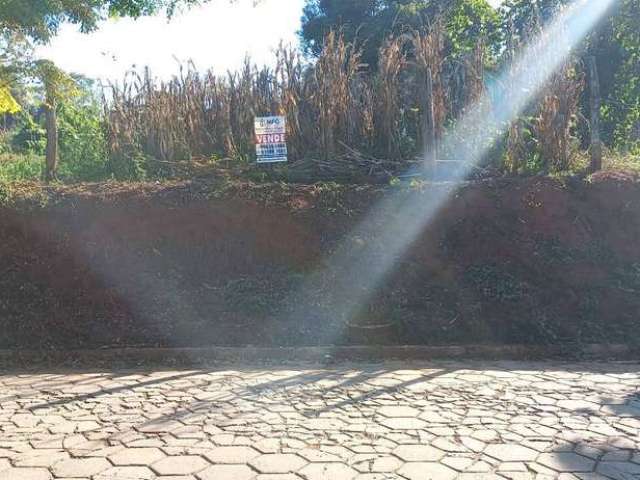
(202, 263)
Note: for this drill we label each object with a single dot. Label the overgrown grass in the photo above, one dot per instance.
(623, 161)
(20, 167)
(16, 167)
(344, 123)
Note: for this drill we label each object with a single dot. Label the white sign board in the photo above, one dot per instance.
(271, 139)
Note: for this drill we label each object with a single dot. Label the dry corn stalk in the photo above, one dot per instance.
(387, 91)
(428, 48)
(556, 115)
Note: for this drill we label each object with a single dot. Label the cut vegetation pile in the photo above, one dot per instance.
(533, 261)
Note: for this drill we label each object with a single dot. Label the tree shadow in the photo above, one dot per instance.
(608, 448)
(237, 399)
(108, 391)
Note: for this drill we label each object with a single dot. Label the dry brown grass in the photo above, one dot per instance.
(387, 97)
(337, 111)
(337, 85)
(428, 49)
(556, 117)
(332, 107)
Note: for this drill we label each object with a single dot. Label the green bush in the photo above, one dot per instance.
(128, 164)
(30, 137)
(18, 167)
(83, 150)
(82, 145)
(5, 141)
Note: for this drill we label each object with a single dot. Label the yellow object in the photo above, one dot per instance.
(8, 104)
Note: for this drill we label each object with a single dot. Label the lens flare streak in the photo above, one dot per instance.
(375, 248)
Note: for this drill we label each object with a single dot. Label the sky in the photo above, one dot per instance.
(216, 35)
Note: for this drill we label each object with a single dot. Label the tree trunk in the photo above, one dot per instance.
(595, 105)
(429, 126)
(52, 141)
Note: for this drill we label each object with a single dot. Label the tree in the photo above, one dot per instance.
(57, 85)
(40, 19)
(26, 21)
(371, 21)
(612, 45)
(15, 55)
(623, 111)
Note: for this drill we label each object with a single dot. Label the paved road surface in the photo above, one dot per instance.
(366, 422)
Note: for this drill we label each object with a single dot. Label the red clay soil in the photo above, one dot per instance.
(532, 261)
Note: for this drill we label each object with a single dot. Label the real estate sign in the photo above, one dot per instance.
(271, 139)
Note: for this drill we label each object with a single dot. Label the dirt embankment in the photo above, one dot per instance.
(509, 261)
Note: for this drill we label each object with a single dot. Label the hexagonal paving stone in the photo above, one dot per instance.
(328, 471)
(278, 476)
(427, 471)
(458, 463)
(159, 426)
(378, 476)
(25, 474)
(579, 406)
(398, 412)
(375, 463)
(324, 424)
(80, 467)
(452, 445)
(403, 423)
(137, 456)
(619, 470)
(126, 473)
(25, 420)
(227, 472)
(40, 458)
(566, 462)
(511, 453)
(174, 477)
(493, 476)
(315, 455)
(418, 453)
(237, 455)
(180, 465)
(278, 463)
(465, 434)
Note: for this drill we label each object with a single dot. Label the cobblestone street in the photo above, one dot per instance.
(438, 420)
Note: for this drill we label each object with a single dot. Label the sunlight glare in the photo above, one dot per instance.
(375, 248)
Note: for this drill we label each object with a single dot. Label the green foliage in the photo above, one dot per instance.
(624, 108)
(128, 164)
(56, 84)
(15, 54)
(40, 19)
(5, 193)
(371, 21)
(623, 161)
(615, 44)
(83, 151)
(470, 20)
(520, 17)
(85, 154)
(20, 167)
(30, 136)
